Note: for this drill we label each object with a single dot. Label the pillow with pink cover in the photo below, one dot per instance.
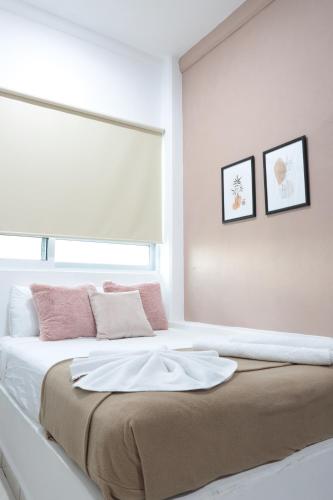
(64, 312)
(151, 298)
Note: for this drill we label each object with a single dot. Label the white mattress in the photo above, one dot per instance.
(25, 360)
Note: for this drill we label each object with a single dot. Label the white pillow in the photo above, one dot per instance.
(22, 315)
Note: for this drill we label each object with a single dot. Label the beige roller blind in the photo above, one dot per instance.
(64, 173)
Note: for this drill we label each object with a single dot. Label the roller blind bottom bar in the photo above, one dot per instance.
(10, 94)
(81, 238)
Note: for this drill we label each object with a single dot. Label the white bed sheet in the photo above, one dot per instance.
(25, 360)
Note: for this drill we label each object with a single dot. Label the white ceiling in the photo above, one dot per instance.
(157, 27)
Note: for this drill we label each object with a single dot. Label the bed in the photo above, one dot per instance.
(46, 473)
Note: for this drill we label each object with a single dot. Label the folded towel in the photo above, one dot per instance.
(269, 352)
(157, 370)
(272, 338)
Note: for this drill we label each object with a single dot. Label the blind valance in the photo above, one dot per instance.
(64, 173)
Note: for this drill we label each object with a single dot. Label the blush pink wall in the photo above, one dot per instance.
(269, 82)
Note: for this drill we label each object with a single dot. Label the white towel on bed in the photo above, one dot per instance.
(284, 352)
(154, 370)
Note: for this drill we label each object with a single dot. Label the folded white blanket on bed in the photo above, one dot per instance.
(272, 338)
(154, 370)
(286, 349)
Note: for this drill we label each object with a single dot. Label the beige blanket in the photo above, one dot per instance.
(156, 445)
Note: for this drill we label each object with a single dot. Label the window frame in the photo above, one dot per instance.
(47, 258)
(65, 265)
(43, 256)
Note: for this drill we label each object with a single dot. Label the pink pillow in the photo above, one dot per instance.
(151, 300)
(64, 312)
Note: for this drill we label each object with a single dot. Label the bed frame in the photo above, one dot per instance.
(35, 465)
(38, 469)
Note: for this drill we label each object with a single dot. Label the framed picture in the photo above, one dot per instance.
(238, 190)
(286, 176)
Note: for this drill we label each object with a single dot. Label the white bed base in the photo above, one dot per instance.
(41, 470)
(39, 466)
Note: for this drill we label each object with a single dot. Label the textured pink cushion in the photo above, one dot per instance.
(151, 300)
(64, 312)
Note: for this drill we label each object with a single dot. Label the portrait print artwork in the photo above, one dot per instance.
(286, 176)
(238, 190)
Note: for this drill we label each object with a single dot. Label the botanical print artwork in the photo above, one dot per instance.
(286, 176)
(238, 190)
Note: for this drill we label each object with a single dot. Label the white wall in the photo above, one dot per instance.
(172, 258)
(95, 75)
(50, 58)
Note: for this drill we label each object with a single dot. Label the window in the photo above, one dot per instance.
(21, 247)
(104, 254)
(77, 253)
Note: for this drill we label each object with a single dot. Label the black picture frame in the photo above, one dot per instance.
(303, 140)
(225, 219)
